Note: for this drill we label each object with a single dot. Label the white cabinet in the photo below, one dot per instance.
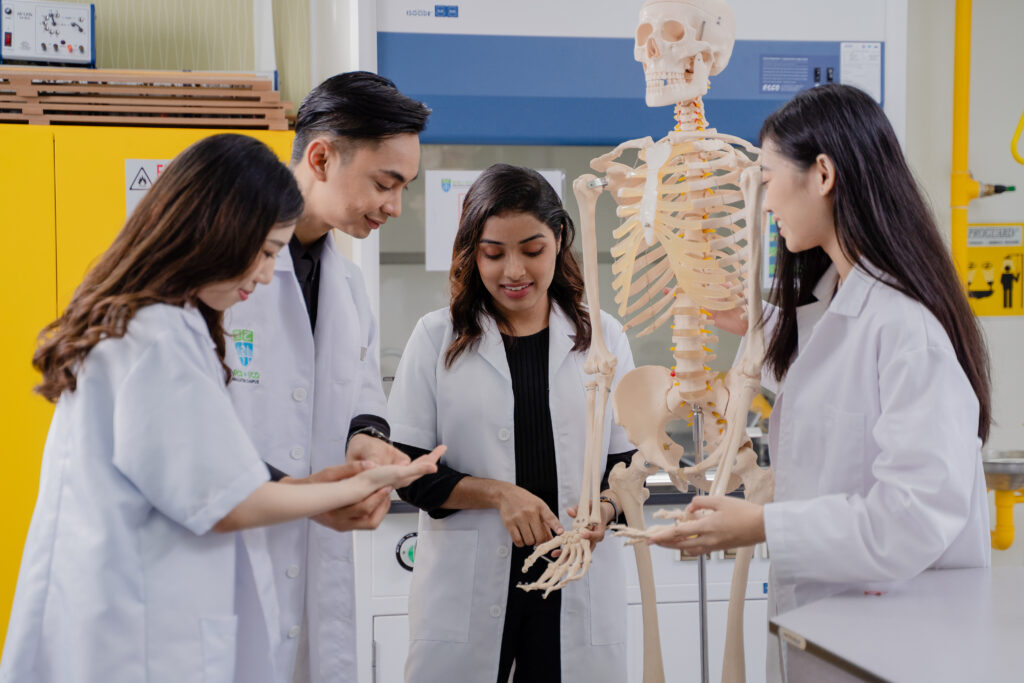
(390, 646)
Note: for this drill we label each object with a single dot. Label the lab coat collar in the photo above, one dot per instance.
(491, 347)
(284, 261)
(561, 339)
(330, 254)
(849, 300)
(195, 321)
(808, 315)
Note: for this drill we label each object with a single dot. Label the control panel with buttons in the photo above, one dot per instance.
(47, 33)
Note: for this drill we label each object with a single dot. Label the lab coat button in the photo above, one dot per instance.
(299, 394)
(297, 452)
(502, 551)
(292, 571)
(293, 632)
(495, 611)
(504, 434)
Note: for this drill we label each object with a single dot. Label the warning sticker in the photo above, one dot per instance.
(139, 176)
(995, 262)
(141, 182)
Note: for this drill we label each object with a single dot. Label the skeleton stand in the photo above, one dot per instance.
(702, 583)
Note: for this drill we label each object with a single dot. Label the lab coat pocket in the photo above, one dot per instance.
(607, 579)
(843, 462)
(219, 635)
(443, 581)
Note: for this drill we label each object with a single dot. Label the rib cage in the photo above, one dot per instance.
(699, 246)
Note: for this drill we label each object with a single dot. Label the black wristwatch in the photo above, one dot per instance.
(370, 430)
(615, 508)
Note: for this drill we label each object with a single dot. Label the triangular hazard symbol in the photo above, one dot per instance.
(142, 181)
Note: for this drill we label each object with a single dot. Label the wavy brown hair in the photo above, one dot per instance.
(501, 190)
(204, 220)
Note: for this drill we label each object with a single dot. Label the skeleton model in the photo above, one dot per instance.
(685, 248)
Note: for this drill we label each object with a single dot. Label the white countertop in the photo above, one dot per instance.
(944, 625)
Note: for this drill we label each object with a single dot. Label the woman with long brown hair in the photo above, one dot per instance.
(120, 578)
(498, 378)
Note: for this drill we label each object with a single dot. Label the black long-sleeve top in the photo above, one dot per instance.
(534, 441)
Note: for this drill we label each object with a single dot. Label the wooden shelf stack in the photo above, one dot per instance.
(106, 97)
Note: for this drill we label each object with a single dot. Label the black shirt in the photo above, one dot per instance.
(306, 261)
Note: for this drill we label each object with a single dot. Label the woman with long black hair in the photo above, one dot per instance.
(883, 385)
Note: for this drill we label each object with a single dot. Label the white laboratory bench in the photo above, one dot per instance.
(944, 625)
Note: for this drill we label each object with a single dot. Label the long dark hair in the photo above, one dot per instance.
(880, 217)
(355, 108)
(204, 220)
(501, 190)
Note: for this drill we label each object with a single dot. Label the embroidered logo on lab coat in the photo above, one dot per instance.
(244, 347)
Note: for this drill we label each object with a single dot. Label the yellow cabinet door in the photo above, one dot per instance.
(28, 302)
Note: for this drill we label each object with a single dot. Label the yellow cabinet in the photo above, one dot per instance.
(63, 194)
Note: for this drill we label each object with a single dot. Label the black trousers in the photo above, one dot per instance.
(531, 637)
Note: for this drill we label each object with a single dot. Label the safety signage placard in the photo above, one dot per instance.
(139, 175)
(995, 261)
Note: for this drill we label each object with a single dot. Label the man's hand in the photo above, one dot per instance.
(721, 523)
(528, 519)
(366, 514)
(365, 447)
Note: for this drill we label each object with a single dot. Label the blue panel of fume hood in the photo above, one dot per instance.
(582, 91)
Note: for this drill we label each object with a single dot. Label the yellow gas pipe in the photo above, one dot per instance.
(1002, 535)
(963, 188)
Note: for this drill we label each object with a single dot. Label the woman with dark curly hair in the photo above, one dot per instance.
(498, 378)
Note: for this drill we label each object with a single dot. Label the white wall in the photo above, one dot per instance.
(997, 100)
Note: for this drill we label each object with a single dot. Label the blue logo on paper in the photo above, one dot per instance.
(446, 184)
(243, 346)
(446, 11)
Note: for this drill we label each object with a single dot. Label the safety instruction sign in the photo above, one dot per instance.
(139, 176)
(995, 262)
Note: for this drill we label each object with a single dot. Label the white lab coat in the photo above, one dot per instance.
(460, 582)
(297, 394)
(121, 579)
(874, 444)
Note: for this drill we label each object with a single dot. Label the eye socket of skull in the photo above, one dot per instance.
(672, 31)
(643, 32)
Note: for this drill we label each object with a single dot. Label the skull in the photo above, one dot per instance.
(681, 43)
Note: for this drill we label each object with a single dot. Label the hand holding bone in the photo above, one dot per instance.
(713, 523)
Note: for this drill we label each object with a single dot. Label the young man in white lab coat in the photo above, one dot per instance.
(306, 379)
